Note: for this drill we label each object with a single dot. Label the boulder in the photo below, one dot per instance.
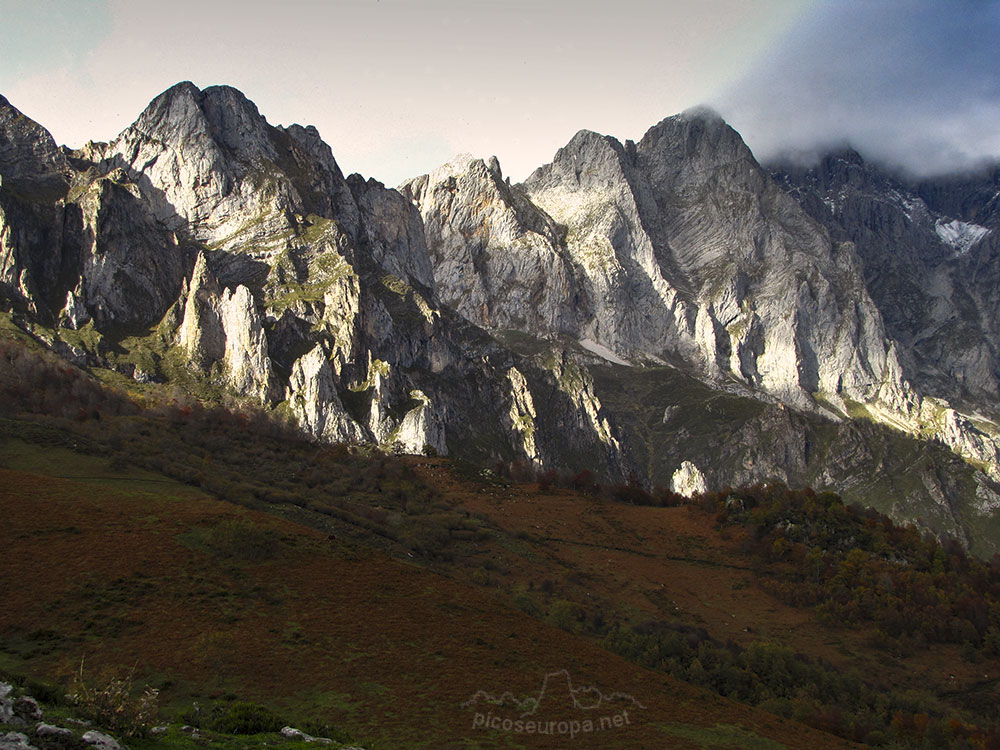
(15, 741)
(291, 733)
(101, 741)
(49, 730)
(6, 703)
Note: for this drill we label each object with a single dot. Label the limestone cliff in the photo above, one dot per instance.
(682, 249)
(205, 236)
(930, 274)
(679, 248)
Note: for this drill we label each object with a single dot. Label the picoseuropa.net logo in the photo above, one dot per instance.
(558, 708)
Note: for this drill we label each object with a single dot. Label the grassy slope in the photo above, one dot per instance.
(126, 567)
(640, 563)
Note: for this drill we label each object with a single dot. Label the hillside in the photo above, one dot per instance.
(226, 557)
(126, 566)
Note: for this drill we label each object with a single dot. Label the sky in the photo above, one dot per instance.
(397, 87)
(910, 83)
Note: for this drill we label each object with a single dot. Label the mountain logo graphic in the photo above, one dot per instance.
(589, 698)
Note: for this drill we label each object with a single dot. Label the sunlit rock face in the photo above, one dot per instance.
(926, 252)
(688, 480)
(240, 250)
(679, 248)
(682, 249)
(498, 259)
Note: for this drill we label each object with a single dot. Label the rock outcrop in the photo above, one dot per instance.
(291, 733)
(6, 702)
(498, 260)
(101, 741)
(30, 160)
(22, 712)
(223, 327)
(312, 396)
(688, 480)
(15, 741)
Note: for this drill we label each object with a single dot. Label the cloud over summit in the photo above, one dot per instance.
(914, 83)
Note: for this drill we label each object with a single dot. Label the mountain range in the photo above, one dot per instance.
(668, 310)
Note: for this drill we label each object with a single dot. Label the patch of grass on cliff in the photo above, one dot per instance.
(325, 270)
(86, 337)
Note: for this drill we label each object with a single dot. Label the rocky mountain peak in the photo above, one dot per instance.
(835, 170)
(496, 255)
(465, 177)
(845, 166)
(222, 118)
(235, 122)
(697, 133)
(188, 119)
(589, 158)
(698, 120)
(180, 90)
(692, 145)
(28, 153)
(455, 168)
(210, 164)
(971, 197)
(180, 105)
(845, 154)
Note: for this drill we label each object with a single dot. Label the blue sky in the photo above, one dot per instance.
(398, 86)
